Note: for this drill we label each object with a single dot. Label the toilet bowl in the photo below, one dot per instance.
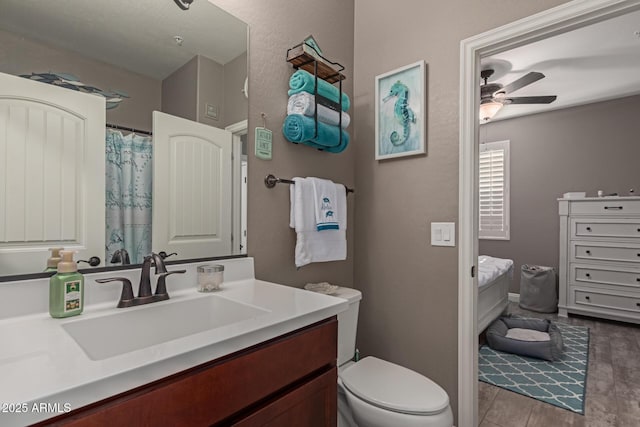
(376, 393)
(381, 394)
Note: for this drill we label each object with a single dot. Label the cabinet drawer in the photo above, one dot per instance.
(610, 227)
(584, 298)
(605, 207)
(607, 276)
(602, 251)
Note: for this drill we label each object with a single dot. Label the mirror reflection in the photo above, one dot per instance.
(122, 131)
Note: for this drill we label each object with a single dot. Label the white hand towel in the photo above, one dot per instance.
(325, 198)
(304, 103)
(313, 245)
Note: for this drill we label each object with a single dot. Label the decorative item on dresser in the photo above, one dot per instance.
(600, 257)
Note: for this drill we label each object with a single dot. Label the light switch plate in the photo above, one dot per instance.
(443, 234)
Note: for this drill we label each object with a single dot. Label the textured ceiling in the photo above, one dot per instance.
(589, 64)
(136, 35)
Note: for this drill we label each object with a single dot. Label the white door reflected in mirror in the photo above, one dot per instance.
(191, 188)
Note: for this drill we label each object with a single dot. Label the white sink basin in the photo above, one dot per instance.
(135, 328)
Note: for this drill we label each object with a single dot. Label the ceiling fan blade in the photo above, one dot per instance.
(530, 100)
(523, 81)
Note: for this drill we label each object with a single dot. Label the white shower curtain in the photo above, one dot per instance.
(128, 194)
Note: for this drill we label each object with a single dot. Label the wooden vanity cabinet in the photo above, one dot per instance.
(287, 381)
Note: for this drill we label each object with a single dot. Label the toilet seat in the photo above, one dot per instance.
(393, 387)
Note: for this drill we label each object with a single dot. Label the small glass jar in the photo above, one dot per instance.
(210, 277)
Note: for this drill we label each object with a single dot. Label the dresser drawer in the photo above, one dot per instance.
(605, 276)
(628, 228)
(584, 298)
(602, 251)
(618, 206)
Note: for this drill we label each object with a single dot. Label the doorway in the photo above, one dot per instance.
(561, 19)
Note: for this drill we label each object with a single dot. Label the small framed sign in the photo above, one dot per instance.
(264, 143)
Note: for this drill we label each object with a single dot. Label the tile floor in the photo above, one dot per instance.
(613, 383)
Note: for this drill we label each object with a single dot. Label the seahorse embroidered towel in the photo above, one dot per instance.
(313, 245)
(325, 195)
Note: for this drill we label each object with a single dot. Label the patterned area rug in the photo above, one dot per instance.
(560, 383)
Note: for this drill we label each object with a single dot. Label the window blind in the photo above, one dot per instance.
(494, 191)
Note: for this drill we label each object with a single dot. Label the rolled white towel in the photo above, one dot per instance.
(304, 103)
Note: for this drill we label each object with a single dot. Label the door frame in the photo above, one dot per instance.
(237, 129)
(560, 19)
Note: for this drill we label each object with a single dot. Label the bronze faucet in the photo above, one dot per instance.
(144, 288)
(121, 255)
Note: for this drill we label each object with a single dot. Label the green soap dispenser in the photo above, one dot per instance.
(53, 260)
(66, 288)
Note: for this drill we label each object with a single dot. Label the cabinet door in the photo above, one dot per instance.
(313, 404)
(52, 163)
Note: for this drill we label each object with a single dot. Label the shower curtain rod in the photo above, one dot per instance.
(134, 130)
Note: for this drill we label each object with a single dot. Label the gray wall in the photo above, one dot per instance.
(409, 311)
(19, 55)
(235, 103)
(587, 148)
(180, 91)
(201, 81)
(211, 90)
(275, 26)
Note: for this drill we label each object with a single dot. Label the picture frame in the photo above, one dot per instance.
(400, 116)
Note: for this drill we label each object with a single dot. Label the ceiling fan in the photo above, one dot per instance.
(493, 96)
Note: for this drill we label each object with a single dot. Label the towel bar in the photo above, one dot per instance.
(270, 181)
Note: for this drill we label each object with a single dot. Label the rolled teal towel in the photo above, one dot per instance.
(301, 129)
(302, 81)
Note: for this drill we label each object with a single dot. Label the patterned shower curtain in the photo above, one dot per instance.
(128, 194)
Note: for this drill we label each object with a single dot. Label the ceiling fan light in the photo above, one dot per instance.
(488, 110)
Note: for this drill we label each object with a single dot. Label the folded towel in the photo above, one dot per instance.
(305, 103)
(312, 245)
(325, 198)
(302, 81)
(298, 128)
(340, 148)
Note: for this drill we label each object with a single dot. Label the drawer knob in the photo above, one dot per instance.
(588, 228)
(588, 252)
(588, 275)
(638, 304)
(587, 297)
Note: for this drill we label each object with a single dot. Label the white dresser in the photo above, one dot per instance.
(600, 257)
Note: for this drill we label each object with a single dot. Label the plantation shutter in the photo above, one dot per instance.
(494, 191)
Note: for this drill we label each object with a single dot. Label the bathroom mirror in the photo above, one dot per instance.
(138, 57)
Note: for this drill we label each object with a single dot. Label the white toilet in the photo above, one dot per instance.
(377, 393)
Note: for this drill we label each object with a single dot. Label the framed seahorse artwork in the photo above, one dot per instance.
(400, 112)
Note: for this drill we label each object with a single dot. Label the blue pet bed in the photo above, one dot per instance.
(547, 349)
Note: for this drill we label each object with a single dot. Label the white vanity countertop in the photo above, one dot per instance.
(40, 363)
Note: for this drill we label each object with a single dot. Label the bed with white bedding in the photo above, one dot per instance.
(494, 277)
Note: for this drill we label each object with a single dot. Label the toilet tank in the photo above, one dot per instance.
(347, 324)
